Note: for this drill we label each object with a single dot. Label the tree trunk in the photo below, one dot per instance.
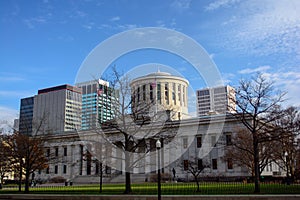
(27, 182)
(127, 174)
(101, 176)
(20, 177)
(198, 185)
(127, 183)
(256, 164)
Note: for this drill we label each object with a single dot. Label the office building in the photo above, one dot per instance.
(216, 100)
(26, 115)
(57, 109)
(97, 101)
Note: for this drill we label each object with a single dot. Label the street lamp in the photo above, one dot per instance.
(158, 146)
(287, 166)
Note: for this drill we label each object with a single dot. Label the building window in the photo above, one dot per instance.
(48, 152)
(185, 142)
(203, 92)
(167, 93)
(228, 140)
(200, 164)
(183, 95)
(179, 94)
(47, 170)
(56, 151)
(97, 168)
(214, 163)
(55, 169)
(159, 93)
(107, 169)
(65, 169)
(144, 92)
(173, 94)
(138, 94)
(199, 141)
(65, 151)
(151, 91)
(185, 165)
(213, 141)
(229, 163)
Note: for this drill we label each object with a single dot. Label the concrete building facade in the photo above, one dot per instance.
(216, 100)
(203, 140)
(58, 109)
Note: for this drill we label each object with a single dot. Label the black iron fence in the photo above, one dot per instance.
(172, 188)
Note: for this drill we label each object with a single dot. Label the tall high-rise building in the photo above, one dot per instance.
(57, 109)
(97, 99)
(26, 115)
(216, 100)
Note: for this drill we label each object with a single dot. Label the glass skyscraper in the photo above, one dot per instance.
(26, 115)
(97, 102)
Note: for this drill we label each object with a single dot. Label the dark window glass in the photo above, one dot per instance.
(200, 164)
(56, 151)
(214, 164)
(228, 140)
(229, 163)
(199, 141)
(65, 151)
(55, 169)
(185, 165)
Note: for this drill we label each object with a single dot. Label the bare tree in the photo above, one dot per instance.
(28, 155)
(195, 167)
(132, 130)
(242, 154)
(256, 102)
(5, 158)
(27, 151)
(285, 153)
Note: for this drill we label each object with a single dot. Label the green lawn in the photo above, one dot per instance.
(167, 189)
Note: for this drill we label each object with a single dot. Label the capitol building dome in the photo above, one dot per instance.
(160, 91)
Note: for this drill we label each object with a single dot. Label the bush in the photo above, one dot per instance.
(57, 179)
(12, 182)
(164, 177)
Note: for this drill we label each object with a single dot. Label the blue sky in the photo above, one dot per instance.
(43, 43)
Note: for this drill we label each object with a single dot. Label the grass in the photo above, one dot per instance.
(167, 189)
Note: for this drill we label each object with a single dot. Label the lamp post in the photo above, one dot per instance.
(158, 146)
(287, 166)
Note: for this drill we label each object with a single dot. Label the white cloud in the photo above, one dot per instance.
(227, 78)
(17, 94)
(287, 82)
(264, 28)
(116, 18)
(11, 78)
(127, 26)
(220, 3)
(211, 55)
(253, 70)
(181, 5)
(32, 22)
(7, 115)
(284, 80)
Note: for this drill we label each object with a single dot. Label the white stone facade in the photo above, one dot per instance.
(71, 159)
(164, 91)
